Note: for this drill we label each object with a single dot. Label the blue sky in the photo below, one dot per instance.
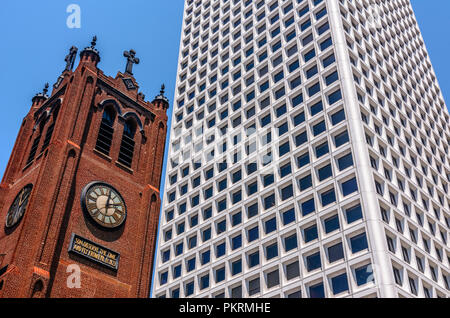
(36, 39)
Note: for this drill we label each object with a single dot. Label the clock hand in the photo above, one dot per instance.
(21, 198)
(107, 201)
(24, 199)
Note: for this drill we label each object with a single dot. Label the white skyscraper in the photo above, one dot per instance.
(309, 154)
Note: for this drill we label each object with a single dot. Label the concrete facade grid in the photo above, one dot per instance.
(216, 35)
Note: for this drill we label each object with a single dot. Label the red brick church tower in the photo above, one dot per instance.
(79, 200)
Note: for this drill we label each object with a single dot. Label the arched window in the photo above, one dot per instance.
(105, 134)
(49, 133)
(127, 146)
(36, 141)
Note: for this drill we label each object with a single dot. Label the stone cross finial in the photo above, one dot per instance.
(70, 58)
(131, 59)
(45, 90)
(94, 41)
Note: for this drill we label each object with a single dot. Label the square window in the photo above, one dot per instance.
(293, 66)
(271, 225)
(236, 267)
(338, 117)
(251, 167)
(308, 207)
(254, 287)
(221, 227)
(284, 149)
(206, 234)
(335, 253)
(314, 89)
(328, 197)
(279, 93)
(317, 291)
(272, 251)
(305, 183)
(298, 119)
(269, 201)
(253, 234)
(334, 97)
(296, 294)
(301, 139)
(311, 233)
(220, 250)
(176, 293)
(236, 242)
(237, 197)
(309, 55)
(204, 282)
(316, 108)
(330, 79)
(191, 264)
(253, 210)
(192, 242)
(311, 72)
(285, 170)
(364, 275)
(313, 262)
(349, 187)
(322, 150)
(253, 259)
(325, 172)
(290, 242)
(268, 179)
(273, 279)
(287, 192)
(236, 219)
(328, 60)
(281, 110)
(292, 270)
(236, 292)
(177, 271)
(297, 100)
(207, 213)
(303, 160)
(189, 289)
(289, 216)
(282, 129)
(339, 284)
(319, 128)
(341, 139)
(220, 274)
(354, 214)
(208, 193)
(331, 224)
(296, 82)
(345, 162)
(279, 76)
(358, 243)
(222, 205)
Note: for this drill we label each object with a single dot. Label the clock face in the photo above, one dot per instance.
(104, 204)
(18, 207)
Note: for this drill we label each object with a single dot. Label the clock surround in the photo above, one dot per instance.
(104, 205)
(18, 207)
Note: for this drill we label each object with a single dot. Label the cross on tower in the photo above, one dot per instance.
(131, 59)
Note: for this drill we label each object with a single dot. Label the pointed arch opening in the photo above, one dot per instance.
(50, 129)
(127, 145)
(36, 140)
(106, 131)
